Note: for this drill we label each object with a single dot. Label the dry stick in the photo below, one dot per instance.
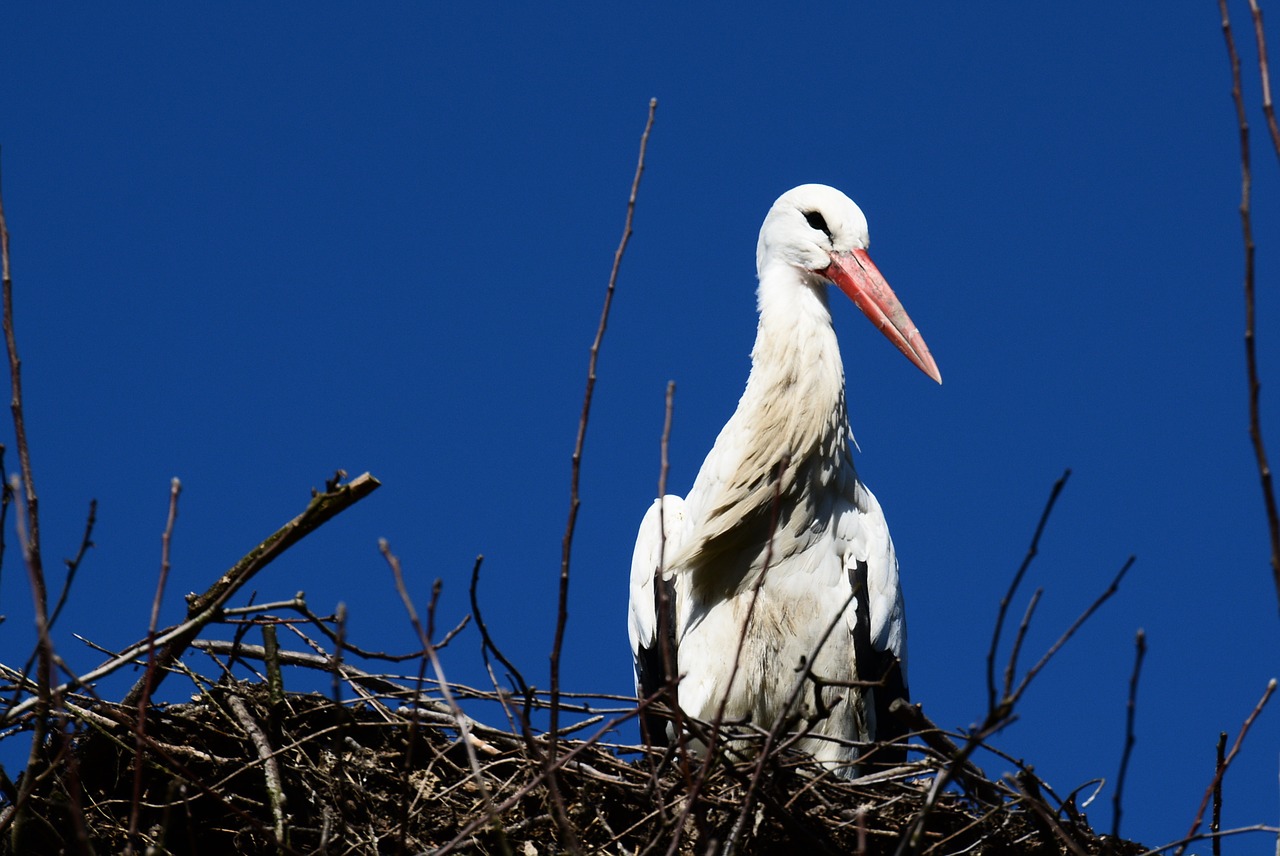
(562, 611)
(1013, 587)
(73, 565)
(1268, 109)
(270, 766)
(464, 735)
(771, 739)
(6, 497)
(965, 771)
(1070, 631)
(206, 607)
(15, 405)
(45, 695)
(1246, 227)
(1183, 842)
(1215, 822)
(31, 537)
(547, 771)
(140, 728)
(1131, 709)
(1222, 768)
(172, 766)
(717, 723)
(340, 617)
(1011, 668)
(1037, 804)
(665, 616)
(487, 644)
(998, 715)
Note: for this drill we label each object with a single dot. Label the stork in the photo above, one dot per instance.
(778, 528)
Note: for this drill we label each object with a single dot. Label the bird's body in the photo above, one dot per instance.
(778, 528)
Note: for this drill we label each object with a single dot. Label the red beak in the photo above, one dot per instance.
(858, 277)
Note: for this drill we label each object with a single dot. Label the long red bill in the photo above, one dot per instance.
(855, 274)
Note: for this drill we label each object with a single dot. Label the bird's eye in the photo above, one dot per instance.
(817, 221)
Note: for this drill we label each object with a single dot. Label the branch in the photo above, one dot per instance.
(562, 612)
(1013, 587)
(1221, 769)
(206, 607)
(1246, 227)
(1131, 710)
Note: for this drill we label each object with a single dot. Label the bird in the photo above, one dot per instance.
(776, 573)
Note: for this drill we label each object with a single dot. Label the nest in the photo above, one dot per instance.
(244, 768)
(382, 762)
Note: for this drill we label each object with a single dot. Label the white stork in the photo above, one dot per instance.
(778, 495)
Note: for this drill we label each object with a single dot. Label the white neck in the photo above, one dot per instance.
(796, 372)
(793, 409)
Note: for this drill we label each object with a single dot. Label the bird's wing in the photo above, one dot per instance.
(661, 534)
(876, 617)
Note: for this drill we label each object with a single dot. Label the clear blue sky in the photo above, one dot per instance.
(254, 245)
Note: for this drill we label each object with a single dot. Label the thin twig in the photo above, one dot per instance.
(204, 608)
(464, 736)
(1246, 228)
(717, 723)
(1013, 587)
(1221, 769)
(562, 609)
(1264, 72)
(144, 698)
(73, 565)
(1069, 632)
(15, 405)
(1215, 822)
(1131, 710)
(29, 530)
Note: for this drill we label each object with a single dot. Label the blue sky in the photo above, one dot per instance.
(255, 245)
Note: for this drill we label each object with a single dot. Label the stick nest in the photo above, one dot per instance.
(236, 771)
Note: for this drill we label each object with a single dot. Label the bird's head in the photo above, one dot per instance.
(822, 234)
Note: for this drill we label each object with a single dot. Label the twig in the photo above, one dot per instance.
(487, 644)
(1268, 109)
(1221, 769)
(969, 774)
(73, 565)
(204, 608)
(144, 698)
(340, 617)
(1181, 843)
(1215, 822)
(1069, 632)
(1131, 709)
(15, 405)
(29, 533)
(1013, 587)
(1011, 668)
(1246, 228)
(464, 736)
(717, 723)
(562, 610)
(45, 695)
(270, 766)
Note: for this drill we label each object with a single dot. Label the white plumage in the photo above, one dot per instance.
(778, 494)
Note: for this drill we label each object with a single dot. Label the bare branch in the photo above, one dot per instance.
(562, 610)
(204, 608)
(1013, 587)
(1131, 709)
(1246, 227)
(1264, 72)
(1221, 769)
(144, 698)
